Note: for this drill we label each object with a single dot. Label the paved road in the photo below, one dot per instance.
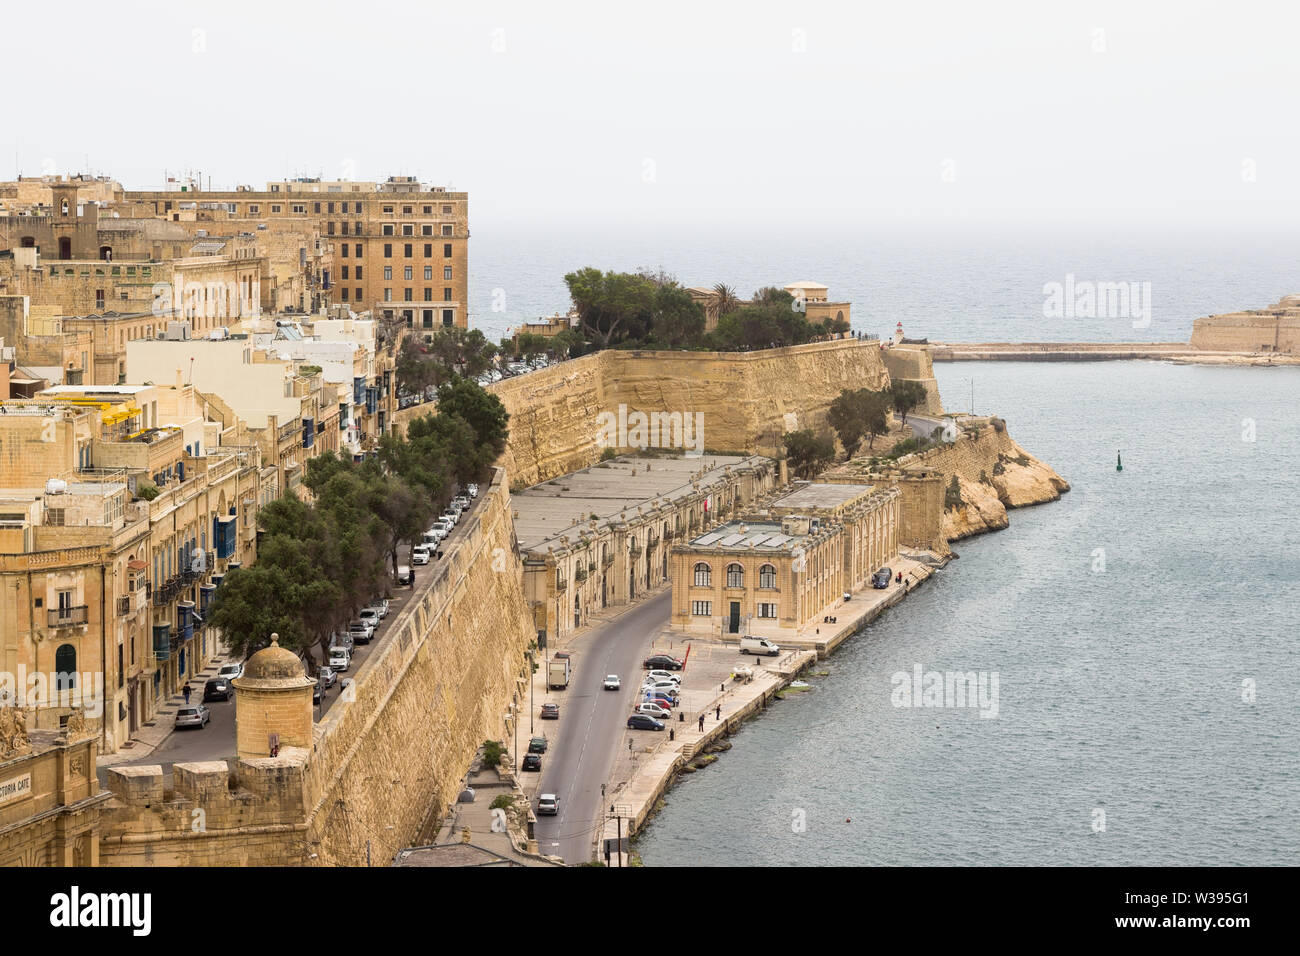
(593, 722)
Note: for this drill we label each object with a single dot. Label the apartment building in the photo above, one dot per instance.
(120, 514)
(397, 248)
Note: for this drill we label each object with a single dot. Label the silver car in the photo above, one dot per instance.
(193, 717)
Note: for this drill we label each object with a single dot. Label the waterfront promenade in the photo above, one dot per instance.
(1178, 352)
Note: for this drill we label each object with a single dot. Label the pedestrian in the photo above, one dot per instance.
(186, 691)
(718, 713)
(701, 723)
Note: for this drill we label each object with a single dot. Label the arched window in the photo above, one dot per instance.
(735, 576)
(65, 667)
(767, 576)
(703, 575)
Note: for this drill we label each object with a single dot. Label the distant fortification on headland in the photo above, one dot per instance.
(1275, 329)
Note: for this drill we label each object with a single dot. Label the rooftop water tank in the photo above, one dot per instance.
(56, 486)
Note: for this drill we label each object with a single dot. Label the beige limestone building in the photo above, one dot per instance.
(120, 511)
(778, 570)
(50, 798)
(600, 537)
(398, 248)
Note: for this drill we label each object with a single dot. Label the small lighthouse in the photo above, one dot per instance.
(898, 333)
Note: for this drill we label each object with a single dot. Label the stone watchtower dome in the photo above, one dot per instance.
(272, 696)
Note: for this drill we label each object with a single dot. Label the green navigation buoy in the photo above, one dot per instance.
(1119, 464)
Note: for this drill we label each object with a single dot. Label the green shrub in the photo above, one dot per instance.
(491, 753)
(608, 454)
(502, 802)
(952, 496)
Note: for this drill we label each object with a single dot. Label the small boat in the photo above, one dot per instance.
(1119, 463)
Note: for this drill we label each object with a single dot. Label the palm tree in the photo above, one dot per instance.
(727, 301)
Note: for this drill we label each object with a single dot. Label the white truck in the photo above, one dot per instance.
(759, 645)
(558, 673)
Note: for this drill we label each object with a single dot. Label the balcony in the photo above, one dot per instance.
(561, 583)
(67, 616)
(607, 560)
(123, 606)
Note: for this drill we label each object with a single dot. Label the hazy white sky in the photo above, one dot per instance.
(789, 118)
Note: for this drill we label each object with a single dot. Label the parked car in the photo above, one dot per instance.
(343, 641)
(462, 500)
(370, 615)
(340, 661)
(420, 554)
(881, 578)
(548, 805)
(218, 689)
(537, 745)
(531, 762)
(550, 711)
(405, 575)
(231, 671)
(664, 662)
(193, 717)
(327, 677)
(664, 675)
(472, 490)
(666, 687)
(654, 710)
(663, 702)
(612, 682)
(644, 722)
(361, 632)
(317, 692)
(380, 605)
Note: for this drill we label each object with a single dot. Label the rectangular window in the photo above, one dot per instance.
(428, 210)
(446, 229)
(428, 273)
(388, 229)
(426, 230)
(388, 273)
(344, 209)
(446, 272)
(358, 293)
(301, 209)
(345, 291)
(428, 318)
(359, 276)
(357, 249)
(702, 608)
(406, 296)
(767, 610)
(330, 209)
(408, 230)
(388, 295)
(428, 294)
(446, 209)
(388, 210)
(428, 250)
(252, 210)
(407, 210)
(409, 248)
(447, 316)
(275, 209)
(406, 274)
(446, 295)
(315, 207)
(388, 250)
(446, 250)
(344, 247)
(329, 228)
(343, 227)
(344, 270)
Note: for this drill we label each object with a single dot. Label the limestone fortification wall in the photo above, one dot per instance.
(434, 691)
(748, 400)
(913, 362)
(1277, 330)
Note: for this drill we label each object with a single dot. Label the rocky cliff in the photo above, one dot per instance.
(993, 474)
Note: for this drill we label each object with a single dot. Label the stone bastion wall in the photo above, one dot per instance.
(747, 400)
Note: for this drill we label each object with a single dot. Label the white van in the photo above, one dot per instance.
(758, 645)
(340, 660)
